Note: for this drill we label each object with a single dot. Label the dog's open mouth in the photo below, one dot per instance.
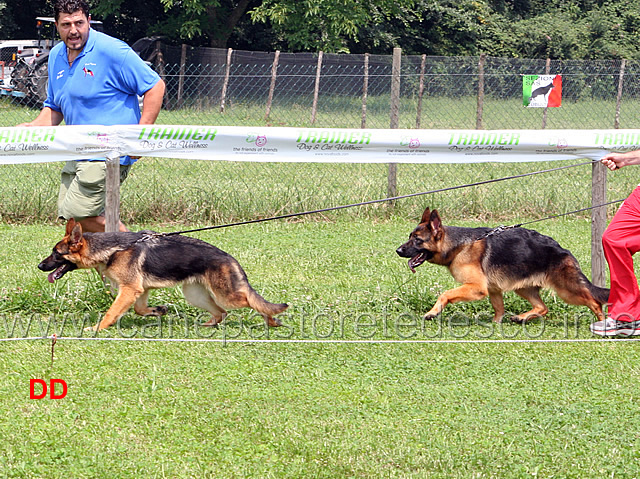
(417, 260)
(60, 271)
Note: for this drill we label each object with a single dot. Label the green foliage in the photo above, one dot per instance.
(131, 20)
(557, 29)
(327, 25)
(213, 20)
(18, 19)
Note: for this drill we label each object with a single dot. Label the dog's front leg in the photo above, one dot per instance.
(466, 292)
(497, 301)
(142, 307)
(127, 296)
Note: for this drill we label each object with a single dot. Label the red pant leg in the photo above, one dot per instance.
(621, 241)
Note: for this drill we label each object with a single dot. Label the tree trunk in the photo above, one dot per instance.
(221, 28)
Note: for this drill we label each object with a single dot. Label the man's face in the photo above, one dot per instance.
(73, 29)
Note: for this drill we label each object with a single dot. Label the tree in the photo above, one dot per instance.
(211, 19)
(130, 20)
(557, 29)
(18, 20)
(307, 25)
(328, 25)
(442, 27)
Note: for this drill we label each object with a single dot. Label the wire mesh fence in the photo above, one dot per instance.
(225, 87)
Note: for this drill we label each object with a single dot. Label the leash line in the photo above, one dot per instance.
(572, 212)
(501, 228)
(371, 202)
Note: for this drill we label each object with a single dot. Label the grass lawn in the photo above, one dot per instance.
(456, 406)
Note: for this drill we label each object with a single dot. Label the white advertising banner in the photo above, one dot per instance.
(313, 145)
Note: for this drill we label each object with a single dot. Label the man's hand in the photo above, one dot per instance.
(615, 161)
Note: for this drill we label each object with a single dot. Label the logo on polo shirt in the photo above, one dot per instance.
(88, 71)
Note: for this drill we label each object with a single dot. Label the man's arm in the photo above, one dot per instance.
(151, 103)
(615, 161)
(47, 117)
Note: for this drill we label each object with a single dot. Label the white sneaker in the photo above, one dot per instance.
(612, 327)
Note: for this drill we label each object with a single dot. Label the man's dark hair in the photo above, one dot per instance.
(70, 6)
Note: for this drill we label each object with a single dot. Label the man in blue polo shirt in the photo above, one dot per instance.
(94, 79)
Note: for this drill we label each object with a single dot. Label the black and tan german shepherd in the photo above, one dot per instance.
(138, 262)
(515, 259)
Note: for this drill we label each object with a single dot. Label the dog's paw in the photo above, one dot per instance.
(521, 319)
(212, 323)
(92, 329)
(430, 316)
(161, 310)
(274, 322)
(157, 311)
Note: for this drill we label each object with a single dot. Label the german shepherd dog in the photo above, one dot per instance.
(138, 262)
(515, 259)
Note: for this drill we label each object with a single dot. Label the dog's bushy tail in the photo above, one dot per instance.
(600, 294)
(263, 306)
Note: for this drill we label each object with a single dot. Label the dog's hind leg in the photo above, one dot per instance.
(199, 296)
(580, 296)
(573, 287)
(531, 294)
(142, 308)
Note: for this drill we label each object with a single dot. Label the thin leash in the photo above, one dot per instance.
(148, 236)
(501, 228)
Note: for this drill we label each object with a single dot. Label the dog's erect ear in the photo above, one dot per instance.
(75, 237)
(426, 215)
(70, 224)
(435, 223)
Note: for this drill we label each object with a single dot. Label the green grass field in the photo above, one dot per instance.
(179, 191)
(438, 401)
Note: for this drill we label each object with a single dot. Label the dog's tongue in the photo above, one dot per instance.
(58, 273)
(416, 261)
(413, 270)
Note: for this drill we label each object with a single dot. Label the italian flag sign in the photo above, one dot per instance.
(540, 91)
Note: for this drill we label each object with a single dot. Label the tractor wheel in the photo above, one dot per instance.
(39, 83)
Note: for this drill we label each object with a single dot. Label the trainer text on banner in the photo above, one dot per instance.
(54, 143)
(308, 145)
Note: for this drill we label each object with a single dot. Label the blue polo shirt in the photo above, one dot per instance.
(102, 86)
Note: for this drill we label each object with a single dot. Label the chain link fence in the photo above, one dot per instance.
(224, 87)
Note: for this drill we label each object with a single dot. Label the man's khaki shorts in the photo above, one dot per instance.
(82, 189)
